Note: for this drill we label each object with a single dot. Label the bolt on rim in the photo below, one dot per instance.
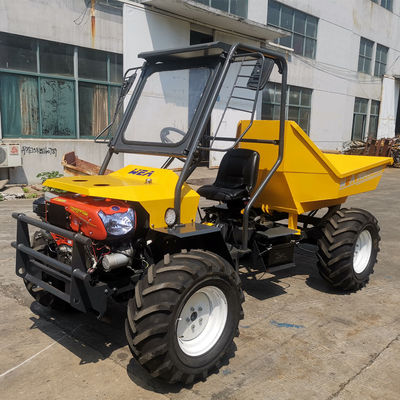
(362, 251)
(202, 321)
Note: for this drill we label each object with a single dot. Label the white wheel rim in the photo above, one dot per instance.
(362, 251)
(202, 321)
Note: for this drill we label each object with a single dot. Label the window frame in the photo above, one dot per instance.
(386, 4)
(378, 64)
(300, 106)
(365, 119)
(373, 116)
(293, 32)
(209, 4)
(365, 57)
(75, 78)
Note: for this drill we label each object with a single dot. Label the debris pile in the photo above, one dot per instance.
(376, 147)
(13, 191)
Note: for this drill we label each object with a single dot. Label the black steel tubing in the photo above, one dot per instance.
(51, 228)
(228, 139)
(245, 234)
(51, 271)
(207, 111)
(106, 161)
(58, 265)
(48, 288)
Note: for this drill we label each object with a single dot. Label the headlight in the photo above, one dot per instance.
(170, 216)
(118, 224)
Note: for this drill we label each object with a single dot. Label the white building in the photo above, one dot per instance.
(344, 70)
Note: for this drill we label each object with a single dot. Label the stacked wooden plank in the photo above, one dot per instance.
(377, 147)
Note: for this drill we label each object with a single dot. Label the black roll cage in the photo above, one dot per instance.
(187, 148)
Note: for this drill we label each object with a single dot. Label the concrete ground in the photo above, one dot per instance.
(299, 339)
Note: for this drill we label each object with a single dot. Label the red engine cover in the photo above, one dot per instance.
(84, 210)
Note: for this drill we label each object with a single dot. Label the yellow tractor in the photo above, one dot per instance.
(137, 236)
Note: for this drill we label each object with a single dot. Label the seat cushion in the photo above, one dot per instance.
(212, 192)
(238, 169)
(236, 176)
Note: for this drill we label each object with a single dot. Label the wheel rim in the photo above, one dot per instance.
(202, 321)
(362, 251)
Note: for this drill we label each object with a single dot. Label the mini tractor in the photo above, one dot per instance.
(137, 236)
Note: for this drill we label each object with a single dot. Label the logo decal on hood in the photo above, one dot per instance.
(141, 172)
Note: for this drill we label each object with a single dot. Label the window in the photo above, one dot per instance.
(298, 106)
(40, 90)
(56, 58)
(92, 64)
(302, 28)
(380, 60)
(236, 7)
(359, 119)
(57, 101)
(388, 4)
(19, 105)
(365, 56)
(17, 53)
(93, 108)
(373, 119)
(175, 96)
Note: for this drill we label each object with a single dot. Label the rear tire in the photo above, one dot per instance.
(348, 248)
(184, 315)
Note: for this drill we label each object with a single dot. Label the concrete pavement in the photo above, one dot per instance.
(299, 339)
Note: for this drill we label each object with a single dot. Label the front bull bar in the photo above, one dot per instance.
(78, 291)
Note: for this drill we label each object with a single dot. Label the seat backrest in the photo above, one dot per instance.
(238, 169)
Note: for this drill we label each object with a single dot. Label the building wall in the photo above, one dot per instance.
(159, 31)
(68, 22)
(333, 74)
(45, 155)
(65, 21)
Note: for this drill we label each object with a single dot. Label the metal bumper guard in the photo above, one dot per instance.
(78, 291)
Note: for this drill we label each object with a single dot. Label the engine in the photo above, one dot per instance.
(111, 224)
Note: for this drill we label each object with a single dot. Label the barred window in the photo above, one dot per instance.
(365, 55)
(302, 27)
(373, 119)
(298, 105)
(359, 118)
(388, 4)
(236, 7)
(41, 92)
(380, 60)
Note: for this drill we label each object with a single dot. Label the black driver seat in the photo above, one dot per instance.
(236, 177)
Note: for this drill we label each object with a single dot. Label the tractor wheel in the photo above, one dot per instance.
(43, 297)
(348, 248)
(184, 315)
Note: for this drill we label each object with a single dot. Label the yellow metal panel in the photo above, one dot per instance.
(153, 188)
(307, 178)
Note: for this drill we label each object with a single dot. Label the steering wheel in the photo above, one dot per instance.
(166, 131)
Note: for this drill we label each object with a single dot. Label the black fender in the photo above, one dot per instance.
(188, 236)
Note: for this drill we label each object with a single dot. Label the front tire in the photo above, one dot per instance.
(184, 315)
(348, 248)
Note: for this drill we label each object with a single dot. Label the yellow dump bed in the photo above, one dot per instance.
(308, 179)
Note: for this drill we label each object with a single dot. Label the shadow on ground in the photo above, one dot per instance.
(95, 340)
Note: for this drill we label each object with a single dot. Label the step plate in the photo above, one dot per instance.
(273, 233)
